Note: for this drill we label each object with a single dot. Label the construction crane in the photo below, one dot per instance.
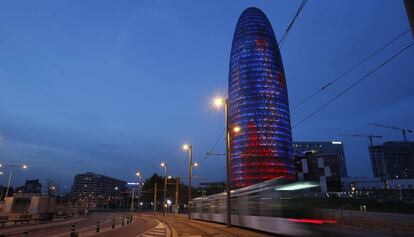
(403, 130)
(369, 136)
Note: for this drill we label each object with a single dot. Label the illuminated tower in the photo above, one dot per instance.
(258, 104)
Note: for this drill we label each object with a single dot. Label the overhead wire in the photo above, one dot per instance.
(217, 141)
(349, 70)
(284, 37)
(353, 84)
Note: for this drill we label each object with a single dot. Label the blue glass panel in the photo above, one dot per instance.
(258, 103)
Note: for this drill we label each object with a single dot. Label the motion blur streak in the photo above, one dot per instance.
(313, 221)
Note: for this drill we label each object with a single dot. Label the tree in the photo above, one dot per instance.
(147, 195)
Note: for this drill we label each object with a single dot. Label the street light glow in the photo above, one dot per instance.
(138, 174)
(218, 102)
(24, 166)
(186, 147)
(195, 164)
(236, 129)
(163, 164)
(169, 176)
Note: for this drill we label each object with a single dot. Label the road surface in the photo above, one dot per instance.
(84, 227)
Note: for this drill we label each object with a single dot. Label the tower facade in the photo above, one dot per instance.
(258, 104)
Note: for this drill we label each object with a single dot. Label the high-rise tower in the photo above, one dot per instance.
(258, 104)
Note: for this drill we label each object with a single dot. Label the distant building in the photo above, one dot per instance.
(212, 184)
(400, 184)
(333, 148)
(95, 190)
(209, 188)
(393, 160)
(351, 184)
(392, 189)
(30, 186)
(3, 190)
(323, 168)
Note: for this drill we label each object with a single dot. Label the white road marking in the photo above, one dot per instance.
(158, 231)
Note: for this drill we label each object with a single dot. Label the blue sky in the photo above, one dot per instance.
(116, 86)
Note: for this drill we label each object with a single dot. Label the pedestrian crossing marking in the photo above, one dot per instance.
(158, 231)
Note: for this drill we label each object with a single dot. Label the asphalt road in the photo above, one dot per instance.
(84, 227)
(138, 227)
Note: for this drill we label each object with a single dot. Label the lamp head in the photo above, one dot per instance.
(218, 102)
(186, 147)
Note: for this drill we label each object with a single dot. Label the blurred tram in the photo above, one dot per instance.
(274, 206)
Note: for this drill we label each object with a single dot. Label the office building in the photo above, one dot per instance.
(352, 184)
(393, 160)
(258, 104)
(325, 147)
(95, 190)
(323, 168)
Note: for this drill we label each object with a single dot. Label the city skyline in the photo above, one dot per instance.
(88, 102)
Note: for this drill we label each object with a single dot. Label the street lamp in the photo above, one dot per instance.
(176, 183)
(189, 148)
(219, 102)
(12, 166)
(165, 165)
(138, 174)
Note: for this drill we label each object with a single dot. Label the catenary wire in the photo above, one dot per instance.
(217, 141)
(349, 70)
(283, 39)
(353, 85)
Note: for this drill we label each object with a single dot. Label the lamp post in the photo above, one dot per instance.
(165, 165)
(132, 199)
(12, 166)
(139, 175)
(177, 183)
(219, 102)
(189, 148)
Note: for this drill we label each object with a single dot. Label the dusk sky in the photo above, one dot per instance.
(118, 86)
